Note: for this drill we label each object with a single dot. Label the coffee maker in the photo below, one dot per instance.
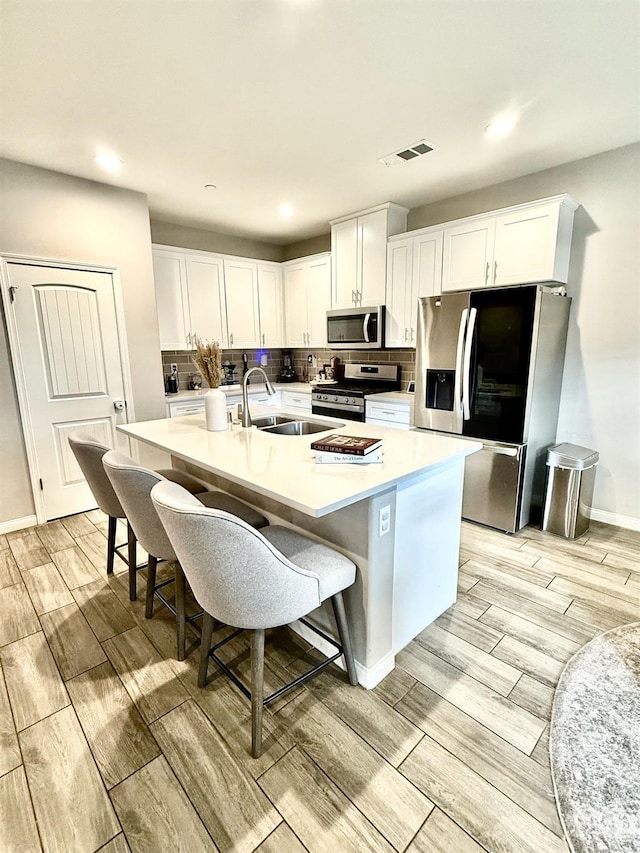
(287, 374)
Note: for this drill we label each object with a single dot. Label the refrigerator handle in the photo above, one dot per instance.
(365, 328)
(466, 368)
(457, 390)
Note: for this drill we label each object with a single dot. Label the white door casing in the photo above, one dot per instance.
(68, 347)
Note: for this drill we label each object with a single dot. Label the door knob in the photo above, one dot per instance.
(119, 405)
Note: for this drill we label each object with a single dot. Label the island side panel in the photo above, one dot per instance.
(427, 547)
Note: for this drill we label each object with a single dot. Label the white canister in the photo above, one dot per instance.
(215, 409)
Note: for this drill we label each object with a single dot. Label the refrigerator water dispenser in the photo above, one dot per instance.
(440, 385)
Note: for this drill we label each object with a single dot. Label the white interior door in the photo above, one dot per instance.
(68, 360)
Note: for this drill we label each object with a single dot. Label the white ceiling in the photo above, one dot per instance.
(295, 100)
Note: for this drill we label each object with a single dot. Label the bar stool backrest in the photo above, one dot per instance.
(89, 454)
(133, 485)
(236, 575)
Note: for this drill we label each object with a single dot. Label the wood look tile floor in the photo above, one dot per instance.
(106, 742)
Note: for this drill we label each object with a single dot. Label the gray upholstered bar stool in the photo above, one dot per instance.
(132, 485)
(253, 580)
(88, 453)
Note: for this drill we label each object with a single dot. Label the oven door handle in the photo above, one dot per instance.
(365, 328)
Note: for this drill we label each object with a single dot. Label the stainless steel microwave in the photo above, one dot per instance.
(356, 328)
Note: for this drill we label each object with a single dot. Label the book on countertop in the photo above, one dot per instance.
(350, 444)
(323, 458)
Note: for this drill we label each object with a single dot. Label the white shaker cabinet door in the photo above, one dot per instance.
(372, 266)
(345, 263)
(205, 277)
(399, 292)
(468, 255)
(172, 300)
(318, 301)
(241, 293)
(295, 301)
(271, 307)
(525, 245)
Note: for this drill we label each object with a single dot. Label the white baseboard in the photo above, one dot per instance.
(627, 521)
(18, 524)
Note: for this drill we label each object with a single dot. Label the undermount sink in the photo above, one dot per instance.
(271, 420)
(292, 427)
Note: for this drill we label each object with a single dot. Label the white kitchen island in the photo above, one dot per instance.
(399, 520)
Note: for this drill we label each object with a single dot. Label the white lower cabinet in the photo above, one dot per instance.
(293, 400)
(389, 413)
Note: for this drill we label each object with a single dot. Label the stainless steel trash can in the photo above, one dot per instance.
(571, 473)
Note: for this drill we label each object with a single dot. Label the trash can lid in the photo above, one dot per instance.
(571, 456)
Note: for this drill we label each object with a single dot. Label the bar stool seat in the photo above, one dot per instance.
(133, 484)
(253, 580)
(88, 453)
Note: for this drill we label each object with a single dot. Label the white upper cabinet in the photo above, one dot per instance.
(243, 313)
(271, 305)
(359, 254)
(205, 279)
(307, 298)
(414, 270)
(189, 298)
(520, 245)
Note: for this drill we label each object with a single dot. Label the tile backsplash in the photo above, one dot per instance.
(305, 371)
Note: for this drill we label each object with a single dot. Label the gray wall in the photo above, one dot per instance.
(170, 234)
(47, 214)
(600, 405)
(312, 246)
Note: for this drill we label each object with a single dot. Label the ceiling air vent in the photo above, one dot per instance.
(405, 154)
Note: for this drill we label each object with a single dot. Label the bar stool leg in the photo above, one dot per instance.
(181, 614)
(111, 544)
(343, 630)
(205, 646)
(257, 690)
(151, 582)
(132, 559)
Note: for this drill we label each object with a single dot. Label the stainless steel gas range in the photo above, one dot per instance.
(346, 399)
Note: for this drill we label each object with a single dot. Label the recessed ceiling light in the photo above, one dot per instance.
(285, 210)
(501, 126)
(210, 187)
(108, 162)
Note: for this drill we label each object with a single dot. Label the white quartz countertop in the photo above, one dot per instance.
(254, 388)
(282, 467)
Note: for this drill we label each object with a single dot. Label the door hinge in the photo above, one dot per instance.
(41, 485)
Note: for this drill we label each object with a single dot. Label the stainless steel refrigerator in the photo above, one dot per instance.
(489, 366)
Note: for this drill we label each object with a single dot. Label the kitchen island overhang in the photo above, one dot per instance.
(398, 520)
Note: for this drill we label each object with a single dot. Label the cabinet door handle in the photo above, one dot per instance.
(413, 334)
(231, 339)
(353, 297)
(495, 271)
(486, 274)
(406, 333)
(263, 337)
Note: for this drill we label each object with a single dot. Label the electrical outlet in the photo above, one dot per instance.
(384, 520)
(173, 367)
(311, 359)
(263, 360)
